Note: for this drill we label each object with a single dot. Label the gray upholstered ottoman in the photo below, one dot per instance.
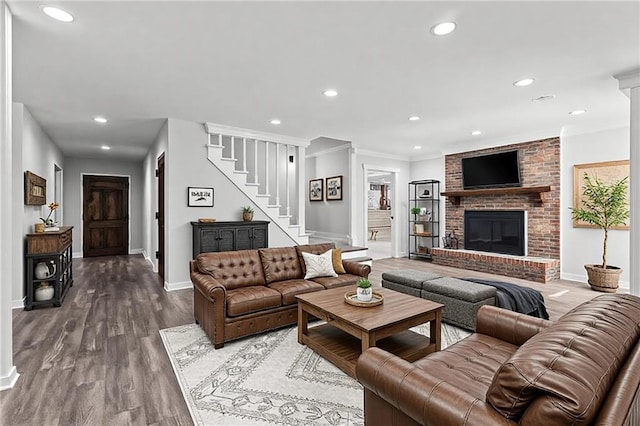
(407, 280)
(461, 299)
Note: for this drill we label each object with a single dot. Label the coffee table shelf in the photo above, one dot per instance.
(343, 350)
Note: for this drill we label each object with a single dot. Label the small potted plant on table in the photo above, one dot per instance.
(604, 206)
(247, 213)
(364, 292)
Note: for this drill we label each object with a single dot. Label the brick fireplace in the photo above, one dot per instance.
(539, 166)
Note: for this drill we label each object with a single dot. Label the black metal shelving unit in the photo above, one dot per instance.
(424, 227)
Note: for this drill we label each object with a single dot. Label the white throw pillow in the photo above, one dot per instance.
(318, 265)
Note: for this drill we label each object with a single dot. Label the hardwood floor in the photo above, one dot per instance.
(99, 358)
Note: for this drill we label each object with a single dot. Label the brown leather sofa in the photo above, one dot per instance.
(583, 369)
(240, 293)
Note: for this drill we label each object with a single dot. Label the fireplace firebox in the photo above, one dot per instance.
(496, 231)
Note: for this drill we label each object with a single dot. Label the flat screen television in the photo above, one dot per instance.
(491, 171)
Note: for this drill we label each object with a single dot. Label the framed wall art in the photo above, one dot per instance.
(608, 172)
(200, 196)
(35, 189)
(315, 190)
(334, 188)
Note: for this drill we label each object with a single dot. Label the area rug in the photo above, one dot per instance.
(267, 379)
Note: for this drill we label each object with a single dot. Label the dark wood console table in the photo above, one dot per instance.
(54, 248)
(229, 236)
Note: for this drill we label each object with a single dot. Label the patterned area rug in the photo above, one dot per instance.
(266, 379)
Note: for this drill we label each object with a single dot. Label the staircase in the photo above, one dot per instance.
(268, 169)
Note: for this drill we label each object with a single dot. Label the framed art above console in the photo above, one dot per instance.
(35, 189)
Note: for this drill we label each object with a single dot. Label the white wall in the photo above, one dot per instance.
(432, 169)
(75, 168)
(39, 155)
(186, 164)
(584, 245)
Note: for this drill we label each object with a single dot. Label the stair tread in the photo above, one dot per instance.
(229, 159)
(252, 184)
(241, 172)
(359, 259)
(263, 195)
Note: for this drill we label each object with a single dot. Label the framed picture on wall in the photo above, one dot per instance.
(334, 188)
(199, 196)
(315, 190)
(35, 189)
(608, 172)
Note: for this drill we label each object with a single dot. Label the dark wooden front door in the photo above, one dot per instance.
(105, 213)
(161, 215)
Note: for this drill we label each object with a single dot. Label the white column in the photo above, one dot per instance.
(8, 372)
(233, 147)
(629, 83)
(220, 139)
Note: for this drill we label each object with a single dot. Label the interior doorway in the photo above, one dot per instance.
(57, 193)
(379, 213)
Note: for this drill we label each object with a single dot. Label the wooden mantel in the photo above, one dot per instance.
(538, 191)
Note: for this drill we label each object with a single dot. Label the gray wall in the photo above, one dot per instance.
(328, 219)
(33, 150)
(75, 168)
(431, 169)
(186, 164)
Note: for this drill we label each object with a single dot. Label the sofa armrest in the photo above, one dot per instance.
(209, 287)
(356, 268)
(508, 326)
(426, 399)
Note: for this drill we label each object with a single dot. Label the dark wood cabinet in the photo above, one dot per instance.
(50, 251)
(229, 236)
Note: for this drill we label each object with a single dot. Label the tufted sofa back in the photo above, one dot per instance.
(233, 269)
(280, 264)
(563, 374)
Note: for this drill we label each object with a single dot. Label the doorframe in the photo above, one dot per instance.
(82, 175)
(366, 168)
(58, 190)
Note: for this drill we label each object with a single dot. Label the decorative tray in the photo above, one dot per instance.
(351, 298)
(206, 220)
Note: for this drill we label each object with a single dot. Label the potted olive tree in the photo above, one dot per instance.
(604, 206)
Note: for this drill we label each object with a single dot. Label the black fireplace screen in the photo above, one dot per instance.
(495, 231)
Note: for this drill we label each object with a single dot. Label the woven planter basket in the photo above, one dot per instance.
(605, 280)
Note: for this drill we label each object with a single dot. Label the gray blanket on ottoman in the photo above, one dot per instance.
(516, 298)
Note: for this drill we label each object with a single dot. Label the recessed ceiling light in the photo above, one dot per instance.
(417, 147)
(476, 132)
(543, 98)
(330, 93)
(524, 82)
(57, 14)
(414, 118)
(105, 147)
(100, 120)
(275, 122)
(578, 112)
(443, 28)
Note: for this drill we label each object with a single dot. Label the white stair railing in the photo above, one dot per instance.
(257, 178)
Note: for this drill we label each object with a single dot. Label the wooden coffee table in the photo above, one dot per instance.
(350, 330)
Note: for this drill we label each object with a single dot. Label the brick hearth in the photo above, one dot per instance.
(529, 268)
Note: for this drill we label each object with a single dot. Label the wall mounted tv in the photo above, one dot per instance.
(491, 171)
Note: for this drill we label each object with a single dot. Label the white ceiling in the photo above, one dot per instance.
(244, 63)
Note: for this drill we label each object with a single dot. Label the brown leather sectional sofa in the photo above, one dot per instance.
(583, 369)
(240, 293)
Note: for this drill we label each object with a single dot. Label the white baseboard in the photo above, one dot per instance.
(18, 304)
(583, 279)
(177, 286)
(338, 239)
(9, 381)
(77, 254)
(146, 256)
(136, 251)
